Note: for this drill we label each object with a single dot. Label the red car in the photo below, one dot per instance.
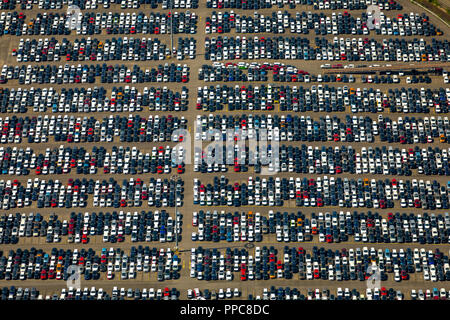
(316, 273)
(417, 203)
(319, 202)
(404, 275)
(243, 272)
(336, 137)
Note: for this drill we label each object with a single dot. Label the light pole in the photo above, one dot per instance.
(174, 178)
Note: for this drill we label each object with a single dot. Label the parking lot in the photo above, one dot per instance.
(93, 154)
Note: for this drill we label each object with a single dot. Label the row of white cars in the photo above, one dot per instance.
(402, 130)
(92, 99)
(257, 47)
(322, 98)
(323, 191)
(85, 49)
(118, 160)
(327, 227)
(303, 22)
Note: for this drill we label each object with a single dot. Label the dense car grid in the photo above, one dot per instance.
(113, 158)
(91, 23)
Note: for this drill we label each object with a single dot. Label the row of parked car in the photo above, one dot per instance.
(288, 293)
(66, 160)
(327, 227)
(257, 47)
(91, 23)
(60, 264)
(168, 4)
(85, 49)
(292, 4)
(243, 72)
(71, 293)
(113, 227)
(336, 23)
(318, 263)
(323, 191)
(64, 74)
(321, 98)
(306, 159)
(158, 193)
(356, 4)
(76, 193)
(89, 129)
(206, 294)
(346, 294)
(93, 99)
(427, 294)
(96, 4)
(395, 79)
(407, 130)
